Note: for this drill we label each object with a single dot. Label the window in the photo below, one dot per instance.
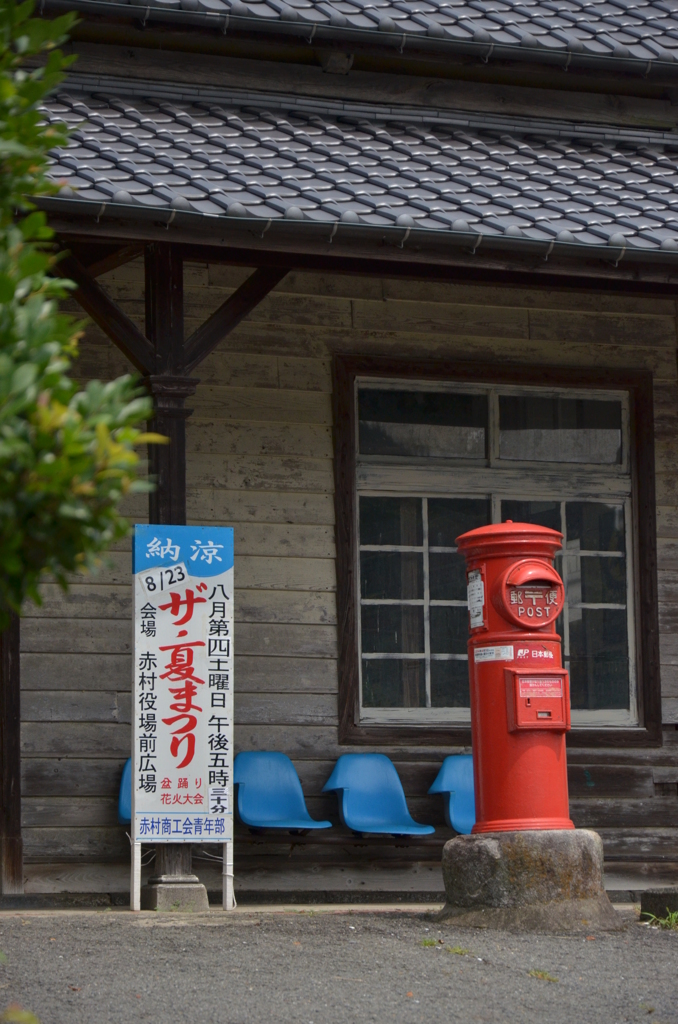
(435, 459)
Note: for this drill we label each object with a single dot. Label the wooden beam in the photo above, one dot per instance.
(206, 338)
(109, 317)
(11, 844)
(590, 272)
(118, 258)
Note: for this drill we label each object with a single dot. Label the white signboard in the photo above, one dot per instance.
(182, 761)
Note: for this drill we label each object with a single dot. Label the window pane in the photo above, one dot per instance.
(541, 513)
(599, 670)
(594, 526)
(392, 629)
(389, 521)
(391, 574)
(394, 683)
(448, 518)
(449, 684)
(594, 580)
(541, 429)
(449, 630)
(431, 424)
(447, 577)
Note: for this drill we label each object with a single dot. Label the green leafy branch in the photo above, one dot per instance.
(67, 456)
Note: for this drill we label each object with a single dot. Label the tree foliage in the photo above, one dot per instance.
(67, 456)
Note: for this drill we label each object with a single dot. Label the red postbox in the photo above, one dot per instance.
(520, 699)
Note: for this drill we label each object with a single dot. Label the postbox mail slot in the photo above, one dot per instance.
(537, 699)
(530, 594)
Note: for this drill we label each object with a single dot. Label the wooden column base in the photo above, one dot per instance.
(11, 865)
(11, 844)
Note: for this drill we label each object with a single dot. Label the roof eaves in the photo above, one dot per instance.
(403, 43)
(303, 234)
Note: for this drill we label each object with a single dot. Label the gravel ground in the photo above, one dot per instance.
(112, 967)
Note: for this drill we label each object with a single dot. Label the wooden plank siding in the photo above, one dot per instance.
(260, 457)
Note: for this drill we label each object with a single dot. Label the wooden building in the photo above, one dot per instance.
(413, 267)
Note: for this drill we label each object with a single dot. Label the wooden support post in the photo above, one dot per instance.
(167, 504)
(11, 843)
(167, 462)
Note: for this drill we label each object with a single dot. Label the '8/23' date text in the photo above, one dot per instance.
(156, 581)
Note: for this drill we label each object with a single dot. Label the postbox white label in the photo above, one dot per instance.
(493, 653)
(541, 687)
(476, 598)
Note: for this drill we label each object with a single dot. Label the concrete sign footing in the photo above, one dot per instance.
(541, 881)
(175, 893)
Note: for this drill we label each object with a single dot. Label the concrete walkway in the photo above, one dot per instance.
(327, 966)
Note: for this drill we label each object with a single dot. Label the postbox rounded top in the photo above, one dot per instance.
(501, 539)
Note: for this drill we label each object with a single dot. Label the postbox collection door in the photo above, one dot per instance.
(537, 700)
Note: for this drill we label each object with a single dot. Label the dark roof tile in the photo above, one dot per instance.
(643, 31)
(532, 181)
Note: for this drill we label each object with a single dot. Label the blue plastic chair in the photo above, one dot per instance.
(455, 780)
(125, 794)
(270, 794)
(371, 797)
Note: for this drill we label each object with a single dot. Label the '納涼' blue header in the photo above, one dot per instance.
(204, 550)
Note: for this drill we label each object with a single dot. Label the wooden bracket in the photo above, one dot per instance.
(250, 293)
(162, 350)
(109, 317)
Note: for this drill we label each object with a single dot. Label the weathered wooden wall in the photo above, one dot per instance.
(260, 457)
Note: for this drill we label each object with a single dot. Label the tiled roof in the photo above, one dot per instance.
(219, 157)
(641, 32)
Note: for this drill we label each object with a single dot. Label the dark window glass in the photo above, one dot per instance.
(594, 526)
(391, 521)
(394, 683)
(541, 513)
(598, 663)
(449, 684)
(541, 429)
(391, 574)
(429, 424)
(592, 580)
(449, 630)
(392, 629)
(447, 577)
(448, 518)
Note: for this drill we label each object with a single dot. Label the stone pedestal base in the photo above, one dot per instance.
(179, 893)
(174, 887)
(542, 881)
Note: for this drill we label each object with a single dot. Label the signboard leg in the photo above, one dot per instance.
(228, 897)
(135, 880)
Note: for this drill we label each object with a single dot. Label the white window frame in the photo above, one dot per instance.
(496, 479)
